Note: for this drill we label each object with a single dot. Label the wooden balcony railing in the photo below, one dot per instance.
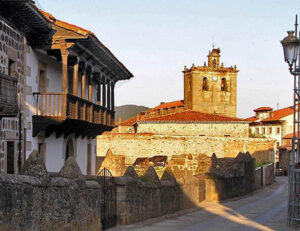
(68, 106)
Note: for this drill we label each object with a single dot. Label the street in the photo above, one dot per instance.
(264, 210)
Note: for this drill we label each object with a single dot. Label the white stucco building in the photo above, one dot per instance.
(66, 80)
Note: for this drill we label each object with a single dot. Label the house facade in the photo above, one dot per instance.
(68, 85)
(272, 123)
(275, 124)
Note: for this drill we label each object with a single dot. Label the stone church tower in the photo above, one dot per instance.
(211, 88)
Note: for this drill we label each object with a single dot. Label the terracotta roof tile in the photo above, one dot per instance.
(260, 109)
(192, 116)
(128, 122)
(275, 115)
(279, 114)
(66, 25)
(252, 119)
(290, 136)
(178, 103)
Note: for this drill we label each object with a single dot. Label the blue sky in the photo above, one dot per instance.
(154, 39)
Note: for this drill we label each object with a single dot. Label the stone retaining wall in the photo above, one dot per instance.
(147, 196)
(133, 146)
(38, 201)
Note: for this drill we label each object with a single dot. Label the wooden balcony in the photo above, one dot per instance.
(64, 113)
(8, 95)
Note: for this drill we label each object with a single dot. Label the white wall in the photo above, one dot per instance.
(54, 153)
(55, 147)
(82, 154)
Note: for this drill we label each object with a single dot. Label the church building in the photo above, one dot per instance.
(203, 122)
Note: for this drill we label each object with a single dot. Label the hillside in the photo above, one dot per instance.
(127, 111)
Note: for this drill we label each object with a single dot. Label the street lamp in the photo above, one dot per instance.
(291, 47)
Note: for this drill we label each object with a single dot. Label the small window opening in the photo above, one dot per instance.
(223, 84)
(205, 84)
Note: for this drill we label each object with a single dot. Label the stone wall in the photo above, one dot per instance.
(147, 196)
(230, 177)
(133, 146)
(264, 176)
(37, 200)
(228, 129)
(12, 63)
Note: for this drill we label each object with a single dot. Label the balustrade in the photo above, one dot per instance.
(52, 105)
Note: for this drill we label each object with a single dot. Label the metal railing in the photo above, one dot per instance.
(72, 107)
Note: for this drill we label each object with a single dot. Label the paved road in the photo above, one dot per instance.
(264, 210)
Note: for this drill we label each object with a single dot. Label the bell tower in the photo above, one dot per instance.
(211, 88)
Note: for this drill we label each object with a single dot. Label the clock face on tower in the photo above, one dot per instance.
(215, 78)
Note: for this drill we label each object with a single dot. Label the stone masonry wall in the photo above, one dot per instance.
(133, 146)
(196, 129)
(37, 201)
(230, 177)
(147, 196)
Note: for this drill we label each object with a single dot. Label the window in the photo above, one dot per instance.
(263, 131)
(278, 130)
(214, 63)
(42, 81)
(223, 84)
(257, 130)
(270, 130)
(11, 68)
(205, 84)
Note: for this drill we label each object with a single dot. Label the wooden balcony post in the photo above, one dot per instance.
(91, 109)
(108, 94)
(75, 77)
(83, 86)
(99, 93)
(64, 56)
(83, 90)
(75, 86)
(103, 79)
(113, 96)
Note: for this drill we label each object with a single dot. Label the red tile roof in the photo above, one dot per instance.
(178, 103)
(275, 115)
(128, 122)
(192, 116)
(252, 119)
(66, 25)
(279, 114)
(290, 136)
(260, 109)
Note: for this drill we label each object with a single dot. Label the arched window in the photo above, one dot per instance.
(223, 85)
(205, 84)
(214, 63)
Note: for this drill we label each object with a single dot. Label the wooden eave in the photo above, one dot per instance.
(25, 16)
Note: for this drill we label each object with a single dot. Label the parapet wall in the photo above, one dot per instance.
(38, 201)
(133, 146)
(143, 197)
(264, 176)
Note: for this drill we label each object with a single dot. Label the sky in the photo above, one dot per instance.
(155, 39)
